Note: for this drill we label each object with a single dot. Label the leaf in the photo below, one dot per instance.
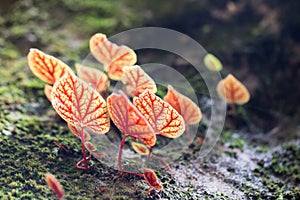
(54, 185)
(190, 112)
(129, 120)
(95, 77)
(136, 80)
(76, 132)
(46, 67)
(212, 62)
(79, 104)
(112, 56)
(232, 90)
(152, 179)
(140, 148)
(90, 146)
(163, 118)
(47, 91)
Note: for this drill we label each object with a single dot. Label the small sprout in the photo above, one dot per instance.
(140, 148)
(152, 180)
(233, 91)
(212, 62)
(47, 91)
(95, 77)
(190, 112)
(137, 81)
(129, 121)
(46, 67)
(112, 56)
(80, 106)
(54, 185)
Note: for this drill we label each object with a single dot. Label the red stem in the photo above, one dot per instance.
(84, 160)
(166, 164)
(120, 153)
(232, 109)
(149, 154)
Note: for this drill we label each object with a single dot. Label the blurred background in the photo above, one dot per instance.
(258, 41)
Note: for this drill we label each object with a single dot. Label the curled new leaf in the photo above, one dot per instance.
(140, 148)
(152, 179)
(190, 112)
(112, 56)
(212, 62)
(232, 90)
(95, 77)
(129, 120)
(163, 118)
(46, 67)
(137, 81)
(54, 185)
(79, 104)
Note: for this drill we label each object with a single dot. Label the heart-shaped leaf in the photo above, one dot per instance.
(190, 112)
(46, 67)
(163, 118)
(129, 120)
(232, 90)
(79, 104)
(95, 77)
(137, 81)
(112, 56)
(140, 148)
(212, 62)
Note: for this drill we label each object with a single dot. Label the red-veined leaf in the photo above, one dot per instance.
(129, 120)
(46, 67)
(137, 81)
(140, 148)
(79, 104)
(112, 56)
(232, 90)
(163, 118)
(47, 91)
(95, 77)
(152, 179)
(190, 112)
(76, 132)
(54, 185)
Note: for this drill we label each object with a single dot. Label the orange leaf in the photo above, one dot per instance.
(232, 90)
(54, 185)
(95, 77)
(112, 56)
(152, 179)
(190, 112)
(46, 67)
(163, 118)
(79, 104)
(140, 148)
(136, 80)
(47, 91)
(76, 132)
(129, 120)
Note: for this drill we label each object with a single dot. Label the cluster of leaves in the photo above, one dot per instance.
(81, 100)
(230, 88)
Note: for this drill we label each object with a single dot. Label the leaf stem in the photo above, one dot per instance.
(120, 153)
(84, 160)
